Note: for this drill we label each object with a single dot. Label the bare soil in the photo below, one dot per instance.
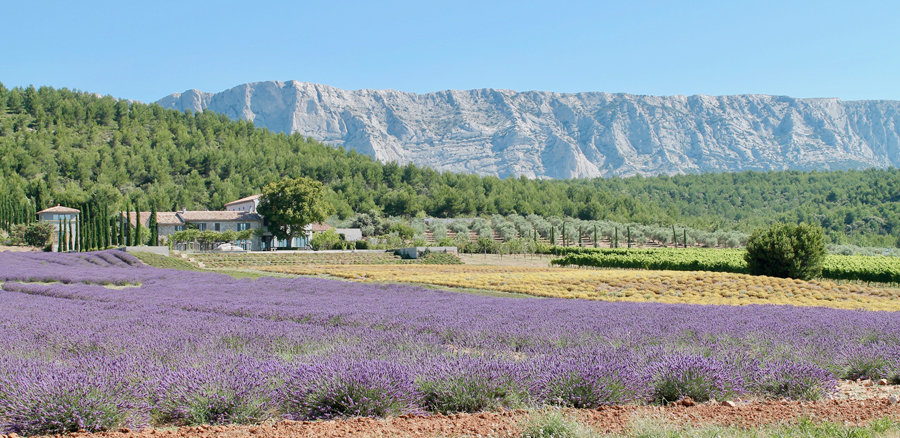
(857, 410)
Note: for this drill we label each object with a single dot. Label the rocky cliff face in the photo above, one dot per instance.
(553, 135)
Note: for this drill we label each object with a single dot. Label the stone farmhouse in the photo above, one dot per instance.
(238, 215)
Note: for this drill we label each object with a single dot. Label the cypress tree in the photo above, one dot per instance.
(595, 236)
(4, 214)
(3, 210)
(86, 227)
(137, 227)
(129, 236)
(122, 241)
(629, 237)
(154, 227)
(78, 246)
(617, 238)
(59, 239)
(101, 234)
(685, 238)
(104, 225)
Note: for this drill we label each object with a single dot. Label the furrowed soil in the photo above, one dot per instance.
(607, 420)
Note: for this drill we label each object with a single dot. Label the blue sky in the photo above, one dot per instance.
(145, 50)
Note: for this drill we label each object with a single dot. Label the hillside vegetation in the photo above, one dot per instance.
(68, 147)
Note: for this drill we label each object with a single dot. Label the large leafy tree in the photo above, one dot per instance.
(786, 250)
(290, 205)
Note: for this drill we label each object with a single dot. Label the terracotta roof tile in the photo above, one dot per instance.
(224, 216)
(248, 198)
(180, 218)
(318, 228)
(58, 209)
(168, 218)
(145, 218)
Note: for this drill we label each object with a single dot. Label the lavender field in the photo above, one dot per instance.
(97, 341)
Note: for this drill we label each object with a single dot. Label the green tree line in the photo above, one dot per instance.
(72, 147)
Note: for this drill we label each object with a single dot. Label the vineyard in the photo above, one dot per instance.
(837, 267)
(617, 285)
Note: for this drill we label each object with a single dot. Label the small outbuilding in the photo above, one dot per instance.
(64, 218)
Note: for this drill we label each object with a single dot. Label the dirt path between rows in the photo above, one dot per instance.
(610, 419)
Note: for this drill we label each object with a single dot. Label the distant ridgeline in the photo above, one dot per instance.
(70, 147)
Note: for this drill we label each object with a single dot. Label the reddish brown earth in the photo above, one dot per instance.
(610, 419)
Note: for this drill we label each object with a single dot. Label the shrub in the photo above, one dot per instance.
(587, 382)
(355, 389)
(405, 232)
(700, 378)
(64, 401)
(795, 381)
(786, 250)
(467, 393)
(38, 234)
(470, 385)
(362, 244)
(221, 394)
(328, 239)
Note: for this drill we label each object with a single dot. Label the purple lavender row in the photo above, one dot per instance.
(189, 348)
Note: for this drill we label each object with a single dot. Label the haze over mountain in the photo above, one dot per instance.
(558, 135)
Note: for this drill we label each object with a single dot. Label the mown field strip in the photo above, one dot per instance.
(622, 285)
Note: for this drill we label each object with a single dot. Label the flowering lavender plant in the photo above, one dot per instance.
(185, 347)
(698, 377)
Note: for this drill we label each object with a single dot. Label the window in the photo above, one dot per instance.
(241, 226)
(179, 227)
(201, 226)
(217, 226)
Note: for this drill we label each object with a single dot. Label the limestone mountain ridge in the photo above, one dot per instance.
(571, 135)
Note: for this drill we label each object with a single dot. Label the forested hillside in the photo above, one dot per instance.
(68, 147)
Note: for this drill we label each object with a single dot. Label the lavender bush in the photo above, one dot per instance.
(350, 389)
(796, 381)
(700, 378)
(185, 347)
(472, 385)
(588, 379)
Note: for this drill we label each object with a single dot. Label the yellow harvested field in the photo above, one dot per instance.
(620, 285)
